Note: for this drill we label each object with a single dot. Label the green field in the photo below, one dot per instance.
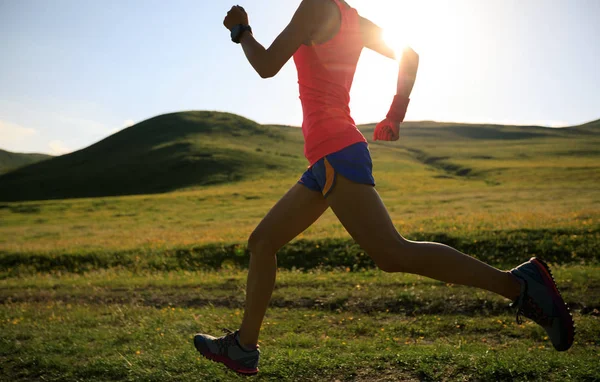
(112, 257)
(119, 325)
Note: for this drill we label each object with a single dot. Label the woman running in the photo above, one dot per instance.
(325, 38)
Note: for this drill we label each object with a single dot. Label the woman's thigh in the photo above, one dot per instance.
(363, 214)
(297, 210)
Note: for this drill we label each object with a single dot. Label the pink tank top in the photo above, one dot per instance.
(325, 75)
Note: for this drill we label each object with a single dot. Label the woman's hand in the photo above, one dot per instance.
(236, 16)
(387, 130)
(268, 62)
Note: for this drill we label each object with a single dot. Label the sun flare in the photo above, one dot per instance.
(435, 29)
(397, 42)
(417, 24)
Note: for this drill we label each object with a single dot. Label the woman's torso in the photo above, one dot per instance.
(326, 67)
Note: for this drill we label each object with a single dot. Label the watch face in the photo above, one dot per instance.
(235, 33)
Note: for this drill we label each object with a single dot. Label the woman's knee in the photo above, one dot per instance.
(260, 244)
(393, 256)
(387, 265)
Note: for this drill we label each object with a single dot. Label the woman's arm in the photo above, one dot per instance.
(268, 62)
(409, 62)
(389, 128)
(372, 36)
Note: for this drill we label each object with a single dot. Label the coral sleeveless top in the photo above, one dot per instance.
(325, 75)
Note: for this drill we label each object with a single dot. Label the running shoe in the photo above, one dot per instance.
(228, 351)
(541, 301)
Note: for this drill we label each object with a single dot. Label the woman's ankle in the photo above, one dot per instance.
(514, 287)
(245, 345)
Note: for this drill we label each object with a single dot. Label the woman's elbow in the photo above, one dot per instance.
(268, 72)
(265, 74)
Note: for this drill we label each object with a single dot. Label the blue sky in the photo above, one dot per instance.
(75, 71)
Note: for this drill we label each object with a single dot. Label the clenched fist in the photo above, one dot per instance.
(237, 15)
(387, 130)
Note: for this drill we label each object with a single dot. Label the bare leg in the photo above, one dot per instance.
(366, 219)
(294, 213)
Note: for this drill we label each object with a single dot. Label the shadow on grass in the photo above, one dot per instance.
(504, 249)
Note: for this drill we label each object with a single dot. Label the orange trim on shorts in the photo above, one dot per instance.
(329, 177)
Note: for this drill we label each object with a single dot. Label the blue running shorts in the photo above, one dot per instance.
(353, 163)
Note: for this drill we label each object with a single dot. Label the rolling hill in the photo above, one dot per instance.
(200, 148)
(161, 154)
(590, 127)
(10, 161)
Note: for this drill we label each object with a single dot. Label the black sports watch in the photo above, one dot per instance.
(238, 30)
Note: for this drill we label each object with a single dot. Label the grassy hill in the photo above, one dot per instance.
(161, 154)
(590, 127)
(200, 148)
(10, 161)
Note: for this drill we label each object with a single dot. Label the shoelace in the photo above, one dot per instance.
(226, 341)
(532, 310)
(527, 307)
(519, 304)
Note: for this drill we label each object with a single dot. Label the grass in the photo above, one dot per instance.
(504, 249)
(439, 178)
(112, 287)
(115, 325)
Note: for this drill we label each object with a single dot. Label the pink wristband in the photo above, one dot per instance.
(398, 110)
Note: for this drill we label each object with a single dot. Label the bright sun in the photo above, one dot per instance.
(414, 23)
(396, 41)
(435, 29)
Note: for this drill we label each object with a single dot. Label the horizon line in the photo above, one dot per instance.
(506, 123)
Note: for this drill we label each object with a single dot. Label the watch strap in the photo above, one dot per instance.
(237, 32)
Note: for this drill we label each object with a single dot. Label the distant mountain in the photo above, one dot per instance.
(458, 131)
(200, 148)
(10, 161)
(590, 127)
(164, 153)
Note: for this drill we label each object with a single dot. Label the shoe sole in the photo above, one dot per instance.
(558, 301)
(225, 361)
